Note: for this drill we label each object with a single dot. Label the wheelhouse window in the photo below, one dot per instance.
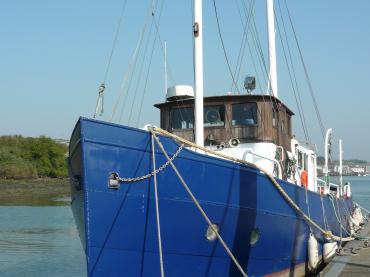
(244, 114)
(214, 116)
(182, 118)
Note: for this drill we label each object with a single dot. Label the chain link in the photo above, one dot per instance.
(149, 175)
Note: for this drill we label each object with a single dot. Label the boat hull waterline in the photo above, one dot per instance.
(118, 226)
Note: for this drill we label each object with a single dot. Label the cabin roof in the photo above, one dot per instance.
(226, 98)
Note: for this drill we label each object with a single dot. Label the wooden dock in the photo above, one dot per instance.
(355, 260)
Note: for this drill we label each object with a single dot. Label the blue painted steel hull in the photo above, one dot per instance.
(118, 227)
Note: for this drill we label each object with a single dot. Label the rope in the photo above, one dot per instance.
(308, 205)
(290, 201)
(323, 213)
(157, 211)
(340, 223)
(210, 224)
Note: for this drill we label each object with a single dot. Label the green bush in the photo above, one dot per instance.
(31, 157)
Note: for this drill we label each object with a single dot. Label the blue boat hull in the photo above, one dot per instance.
(118, 228)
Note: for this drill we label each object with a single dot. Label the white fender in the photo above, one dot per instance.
(354, 224)
(357, 216)
(329, 251)
(313, 252)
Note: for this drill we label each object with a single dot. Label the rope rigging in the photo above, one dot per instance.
(157, 210)
(199, 207)
(223, 46)
(244, 41)
(291, 73)
(321, 124)
(306, 217)
(128, 73)
(99, 108)
(290, 201)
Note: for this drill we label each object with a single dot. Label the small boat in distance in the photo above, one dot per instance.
(222, 188)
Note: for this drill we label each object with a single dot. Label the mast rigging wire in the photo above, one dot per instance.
(244, 43)
(319, 118)
(150, 62)
(100, 100)
(293, 71)
(140, 73)
(157, 36)
(223, 45)
(115, 40)
(245, 29)
(132, 61)
(298, 102)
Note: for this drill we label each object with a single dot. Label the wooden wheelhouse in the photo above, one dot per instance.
(247, 118)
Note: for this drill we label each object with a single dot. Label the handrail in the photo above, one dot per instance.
(323, 183)
(250, 151)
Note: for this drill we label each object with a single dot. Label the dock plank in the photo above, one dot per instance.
(355, 262)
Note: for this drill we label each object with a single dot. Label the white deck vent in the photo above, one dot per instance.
(179, 92)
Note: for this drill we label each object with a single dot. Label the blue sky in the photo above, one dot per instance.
(53, 56)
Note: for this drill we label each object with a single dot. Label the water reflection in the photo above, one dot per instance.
(39, 241)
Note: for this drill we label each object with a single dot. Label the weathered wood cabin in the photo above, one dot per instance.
(247, 118)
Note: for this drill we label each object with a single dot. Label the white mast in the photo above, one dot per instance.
(198, 74)
(165, 68)
(326, 168)
(272, 48)
(340, 166)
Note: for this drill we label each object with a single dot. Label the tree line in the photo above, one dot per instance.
(25, 157)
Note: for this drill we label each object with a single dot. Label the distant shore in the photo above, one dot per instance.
(35, 192)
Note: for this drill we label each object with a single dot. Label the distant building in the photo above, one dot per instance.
(346, 170)
(368, 169)
(358, 169)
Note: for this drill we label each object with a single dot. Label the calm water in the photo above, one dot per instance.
(39, 241)
(43, 241)
(360, 190)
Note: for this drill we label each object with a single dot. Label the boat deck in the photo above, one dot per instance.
(355, 260)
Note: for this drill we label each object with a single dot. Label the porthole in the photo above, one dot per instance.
(255, 236)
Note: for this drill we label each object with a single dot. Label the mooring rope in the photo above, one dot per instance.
(326, 233)
(196, 202)
(326, 225)
(157, 210)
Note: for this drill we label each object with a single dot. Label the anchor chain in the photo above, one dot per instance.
(156, 171)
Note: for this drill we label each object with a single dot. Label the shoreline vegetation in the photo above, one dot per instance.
(33, 171)
(32, 158)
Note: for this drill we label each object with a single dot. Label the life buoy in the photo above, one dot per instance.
(304, 178)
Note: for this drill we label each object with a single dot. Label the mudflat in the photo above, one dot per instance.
(35, 192)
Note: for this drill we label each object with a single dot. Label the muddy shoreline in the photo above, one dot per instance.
(35, 192)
